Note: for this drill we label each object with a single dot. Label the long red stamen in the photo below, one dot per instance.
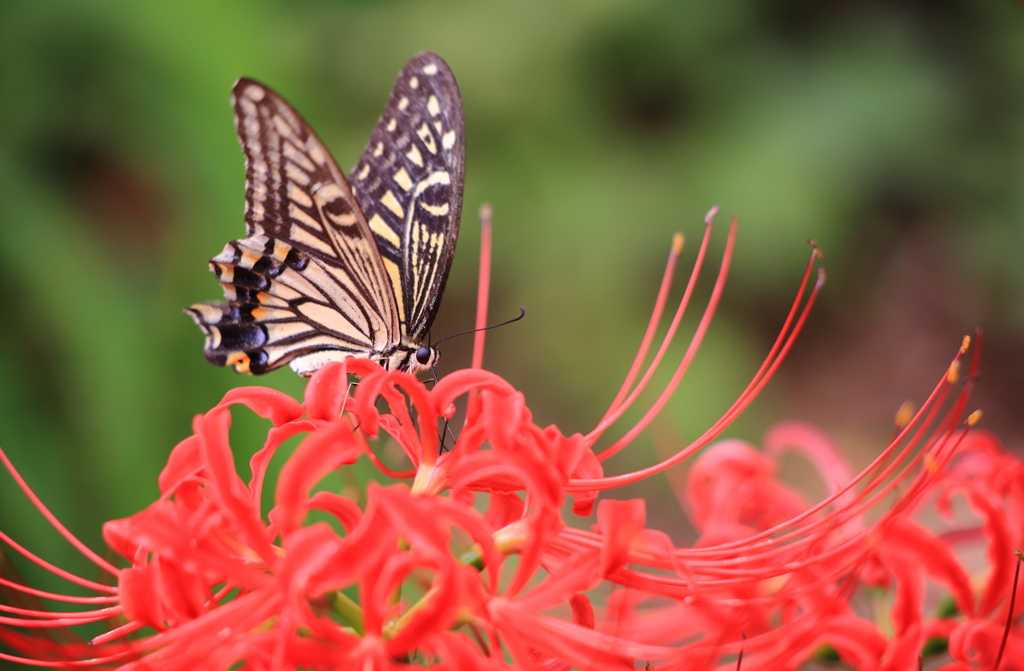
(615, 411)
(67, 598)
(652, 324)
(791, 544)
(48, 619)
(778, 540)
(794, 324)
(118, 632)
(68, 663)
(61, 529)
(483, 286)
(1009, 614)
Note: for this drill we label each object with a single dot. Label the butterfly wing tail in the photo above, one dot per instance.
(230, 341)
(282, 307)
(235, 332)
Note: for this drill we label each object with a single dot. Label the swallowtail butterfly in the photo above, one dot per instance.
(331, 268)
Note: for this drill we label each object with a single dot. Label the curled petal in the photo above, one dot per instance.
(270, 404)
(315, 457)
(976, 644)
(620, 523)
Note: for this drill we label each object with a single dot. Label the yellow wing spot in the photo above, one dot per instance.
(430, 69)
(299, 196)
(254, 93)
(346, 219)
(240, 360)
(381, 228)
(436, 177)
(403, 103)
(379, 149)
(396, 283)
(269, 300)
(424, 134)
(244, 101)
(299, 215)
(207, 313)
(414, 155)
(392, 124)
(448, 140)
(251, 125)
(281, 292)
(315, 151)
(259, 313)
(433, 106)
(249, 258)
(330, 191)
(296, 174)
(285, 330)
(364, 172)
(300, 235)
(227, 273)
(389, 201)
(294, 153)
(283, 127)
(414, 82)
(436, 210)
(215, 337)
(402, 179)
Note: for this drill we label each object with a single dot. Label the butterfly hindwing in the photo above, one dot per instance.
(408, 182)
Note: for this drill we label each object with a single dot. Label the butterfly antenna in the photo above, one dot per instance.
(445, 432)
(522, 313)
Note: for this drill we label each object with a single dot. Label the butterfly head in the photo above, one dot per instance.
(413, 360)
(427, 356)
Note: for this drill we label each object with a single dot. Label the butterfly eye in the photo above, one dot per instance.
(424, 356)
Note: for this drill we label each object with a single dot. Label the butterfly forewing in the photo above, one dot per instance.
(408, 183)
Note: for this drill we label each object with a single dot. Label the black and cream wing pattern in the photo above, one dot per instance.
(331, 268)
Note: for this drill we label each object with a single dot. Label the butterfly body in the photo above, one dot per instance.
(329, 268)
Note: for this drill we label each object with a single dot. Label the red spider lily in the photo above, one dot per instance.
(909, 585)
(469, 561)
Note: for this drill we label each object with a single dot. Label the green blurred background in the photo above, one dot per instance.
(890, 132)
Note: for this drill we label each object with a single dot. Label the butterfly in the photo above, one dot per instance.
(331, 268)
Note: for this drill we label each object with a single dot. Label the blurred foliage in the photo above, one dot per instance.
(891, 133)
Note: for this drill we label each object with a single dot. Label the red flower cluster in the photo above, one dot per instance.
(913, 581)
(470, 560)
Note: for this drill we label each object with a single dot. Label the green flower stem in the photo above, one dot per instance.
(347, 611)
